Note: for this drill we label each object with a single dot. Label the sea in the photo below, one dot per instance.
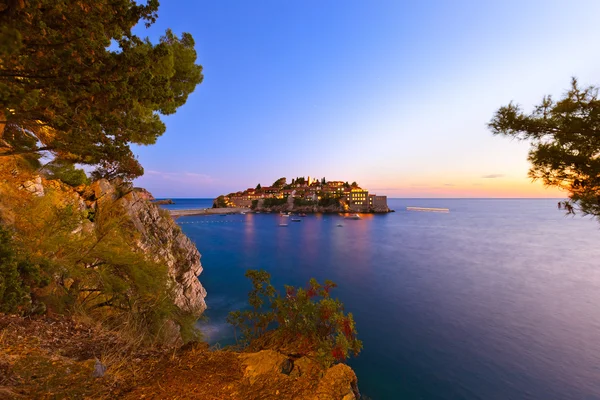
(496, 299)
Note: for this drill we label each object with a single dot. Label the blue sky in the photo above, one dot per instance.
(392, 94)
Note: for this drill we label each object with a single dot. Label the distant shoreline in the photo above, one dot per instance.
(207, 211)
(238, 210)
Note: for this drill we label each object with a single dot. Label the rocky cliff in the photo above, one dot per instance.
(161, 239)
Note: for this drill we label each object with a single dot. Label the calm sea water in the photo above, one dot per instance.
(498, 299)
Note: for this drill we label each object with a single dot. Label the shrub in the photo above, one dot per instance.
(17, 277)
(66, 172)
(220, 202)
(306, 319)
(329, 201)
(273, 201)
(299, 202)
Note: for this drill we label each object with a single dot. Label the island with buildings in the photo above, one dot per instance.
(306, 195)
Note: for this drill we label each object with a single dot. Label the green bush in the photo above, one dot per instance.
(300, 202)
(220, 202)
(66, 172)
(329, 201)
(17, 277)
(308, 320)
(273, 201)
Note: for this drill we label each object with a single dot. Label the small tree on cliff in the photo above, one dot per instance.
(305, 319)
(64, 85)
(565, 143)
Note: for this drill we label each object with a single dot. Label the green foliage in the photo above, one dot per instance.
(279, 182)
(273, 201)
(75, 80)
(300, 202)
(66, 172)
(95, 268)
(13, 294)
(17, 277)
(254, 204)
(307, 319)
(323, 181)
(565, 143)
(220, 202)
(328, 201)
(258, 187)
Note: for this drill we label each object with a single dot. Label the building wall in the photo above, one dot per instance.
(357, 200)
(241, 201)
(380, 202)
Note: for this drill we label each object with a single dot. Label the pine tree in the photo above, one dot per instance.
(80, 84)
(565, 143)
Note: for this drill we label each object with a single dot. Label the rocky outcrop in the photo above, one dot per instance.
(164, 201)
(34, 186)
(162, 239)
(267, 370)
(143, 193)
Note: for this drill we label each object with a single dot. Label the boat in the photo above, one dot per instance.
(223, 215)
(429, 209)
(283, 224)
(285, 215)
(296, 220)
(339, 225)
(302, 215)
(353, 216)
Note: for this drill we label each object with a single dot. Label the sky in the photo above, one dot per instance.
(392, 94)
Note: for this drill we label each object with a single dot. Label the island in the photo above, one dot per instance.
(306, 195)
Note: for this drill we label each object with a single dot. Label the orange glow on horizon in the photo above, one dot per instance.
(498, 188)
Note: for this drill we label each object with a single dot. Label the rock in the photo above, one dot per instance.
(339, 382)
(161, 239)
(262, 363)
(165, 201)
(143, 193)
(99, 369)
(34, 186)
(103, 190)
(165, 242)
(306, 366)
(172, 334)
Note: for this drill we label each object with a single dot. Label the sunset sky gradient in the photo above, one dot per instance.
(392, 94)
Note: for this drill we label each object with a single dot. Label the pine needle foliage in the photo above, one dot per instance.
(565, 143)
(76, 81)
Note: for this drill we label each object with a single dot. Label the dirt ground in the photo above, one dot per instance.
(56, 358)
